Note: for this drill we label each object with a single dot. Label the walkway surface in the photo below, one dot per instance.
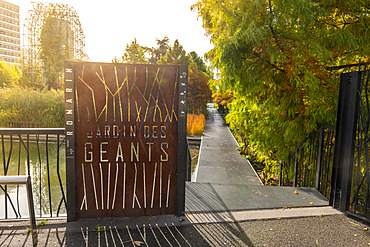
(225, 181)
(322, 230)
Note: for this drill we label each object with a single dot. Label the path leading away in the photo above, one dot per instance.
(225, 181)
(220, 161)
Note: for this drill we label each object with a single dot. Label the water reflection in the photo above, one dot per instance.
(43, 168)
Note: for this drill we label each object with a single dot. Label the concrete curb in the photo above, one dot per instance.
(250, 215)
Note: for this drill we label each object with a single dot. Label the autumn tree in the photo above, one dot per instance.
(9, 75)
(222, 99)
(198, 90)
(276, 56)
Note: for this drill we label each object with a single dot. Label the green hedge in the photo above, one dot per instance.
(29, 105)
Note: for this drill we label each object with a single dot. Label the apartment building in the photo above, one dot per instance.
(10, 48)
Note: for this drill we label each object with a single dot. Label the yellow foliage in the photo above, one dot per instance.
(195, 124)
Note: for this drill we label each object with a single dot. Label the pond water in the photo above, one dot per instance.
(48, 177)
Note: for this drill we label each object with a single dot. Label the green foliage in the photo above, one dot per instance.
(200, 63)
(99, 228)
(275, 56)
(134, 53)
(55, 49)
(29, 105)
(42, 223)
(159, 51)
(9, 75)
(175, 55)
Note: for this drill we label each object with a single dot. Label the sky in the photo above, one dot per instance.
(109, 25)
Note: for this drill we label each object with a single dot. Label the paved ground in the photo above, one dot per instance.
(322, 230)
(219, 161)
(224, 180)
(207, 197)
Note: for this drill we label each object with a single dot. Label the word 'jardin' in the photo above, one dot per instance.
(155, 132)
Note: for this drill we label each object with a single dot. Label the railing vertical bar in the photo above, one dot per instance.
(359, 139)
(59, 178)
(319, 158)
(58, 171)
(10, 154)
(28, 155)
(280, 173)
(328, 161)
(7, 168)
(366, 128)
(295, 169)
(48, 171)
(5, 190)
(40, 173)
(312, 160)
(301, 168)
(18, 173)
(359, 148)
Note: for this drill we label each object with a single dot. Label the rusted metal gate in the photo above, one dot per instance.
(125, 139)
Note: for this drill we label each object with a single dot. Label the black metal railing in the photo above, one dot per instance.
(39, 153)
(359, 196)
(351, 158)
(310, 164)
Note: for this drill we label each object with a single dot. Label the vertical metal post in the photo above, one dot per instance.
(31, 210)
(344, 140)
(281, 173)
(188, 163)
(69, 94)
(319, 157)
(182, 144)
(295, 181)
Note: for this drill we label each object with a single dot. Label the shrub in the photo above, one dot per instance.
(29, 105)
(195, 124)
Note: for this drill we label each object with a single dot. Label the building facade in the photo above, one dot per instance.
(10, 48)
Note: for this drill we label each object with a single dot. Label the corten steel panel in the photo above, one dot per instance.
(126, 129)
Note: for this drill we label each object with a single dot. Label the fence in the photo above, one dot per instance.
(351, 160)
(341, 171)
(40, 153)
(310, 164)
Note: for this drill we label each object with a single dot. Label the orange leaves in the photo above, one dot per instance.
(223, 98)
(195, 124)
